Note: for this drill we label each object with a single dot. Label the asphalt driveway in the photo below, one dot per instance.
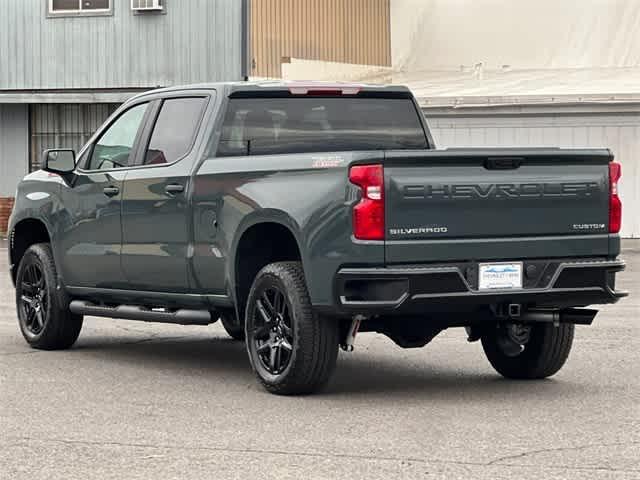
(136, 400)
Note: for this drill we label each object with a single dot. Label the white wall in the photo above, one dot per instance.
(302, 69)
(14, 147)
(620, 132)
(525, 34)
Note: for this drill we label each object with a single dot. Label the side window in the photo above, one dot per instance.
(175, 130)
(114, 148)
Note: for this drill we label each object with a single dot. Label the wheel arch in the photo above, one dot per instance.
(249, 257)
(25, 233)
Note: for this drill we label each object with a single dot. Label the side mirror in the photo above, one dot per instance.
(60, 160)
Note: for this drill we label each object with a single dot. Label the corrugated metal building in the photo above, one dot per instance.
(481, 70)
(67, 64)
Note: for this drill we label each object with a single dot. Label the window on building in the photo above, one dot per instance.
(71, 6)
(175, 130)
(264, 126)
(115, 147)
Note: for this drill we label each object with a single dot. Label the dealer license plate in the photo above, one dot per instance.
(494, 276)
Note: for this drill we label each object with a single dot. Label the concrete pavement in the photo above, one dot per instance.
(134, 400)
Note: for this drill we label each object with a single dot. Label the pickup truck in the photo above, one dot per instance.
(299, 214)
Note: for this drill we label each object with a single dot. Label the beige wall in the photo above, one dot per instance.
(348, 31)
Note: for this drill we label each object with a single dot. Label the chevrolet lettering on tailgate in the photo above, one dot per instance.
(501, 190)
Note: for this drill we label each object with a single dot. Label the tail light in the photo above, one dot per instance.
(368, 214)
(615, 205)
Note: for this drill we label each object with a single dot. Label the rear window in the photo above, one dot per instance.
(264, 126)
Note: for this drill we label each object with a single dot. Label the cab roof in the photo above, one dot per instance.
(279, 87)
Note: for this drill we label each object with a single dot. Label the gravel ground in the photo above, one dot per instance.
(134, 400)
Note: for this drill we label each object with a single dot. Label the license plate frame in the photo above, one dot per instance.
(500, 276)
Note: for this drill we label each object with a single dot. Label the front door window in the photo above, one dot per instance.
(114, 149)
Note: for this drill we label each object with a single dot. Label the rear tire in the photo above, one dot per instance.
(234, 330)
(43, 311)
(543, 355)
(291, 350)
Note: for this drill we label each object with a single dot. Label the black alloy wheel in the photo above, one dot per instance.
(34, 301)
(273, 330)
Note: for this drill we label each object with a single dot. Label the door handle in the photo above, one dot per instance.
(174, 188)
(111, 191)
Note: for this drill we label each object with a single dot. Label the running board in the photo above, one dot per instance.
(132, 312)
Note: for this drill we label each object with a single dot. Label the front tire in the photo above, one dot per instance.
(43, 314)
(291, 350)
(543, 355)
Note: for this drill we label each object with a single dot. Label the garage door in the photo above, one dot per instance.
(64, 126)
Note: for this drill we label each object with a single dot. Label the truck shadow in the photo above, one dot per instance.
(434, 381)
(361, 373)
(212, 356)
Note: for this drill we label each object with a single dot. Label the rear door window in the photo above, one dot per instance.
(175, 130)
(263, 126)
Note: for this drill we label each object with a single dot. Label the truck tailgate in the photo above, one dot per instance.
(454, 204)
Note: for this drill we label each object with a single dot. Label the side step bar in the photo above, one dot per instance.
(132, 312)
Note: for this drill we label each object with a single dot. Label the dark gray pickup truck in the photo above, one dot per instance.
(299, 214)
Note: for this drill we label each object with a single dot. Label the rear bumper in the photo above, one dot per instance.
(553, 283)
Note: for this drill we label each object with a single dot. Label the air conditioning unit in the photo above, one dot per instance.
(146, 5)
